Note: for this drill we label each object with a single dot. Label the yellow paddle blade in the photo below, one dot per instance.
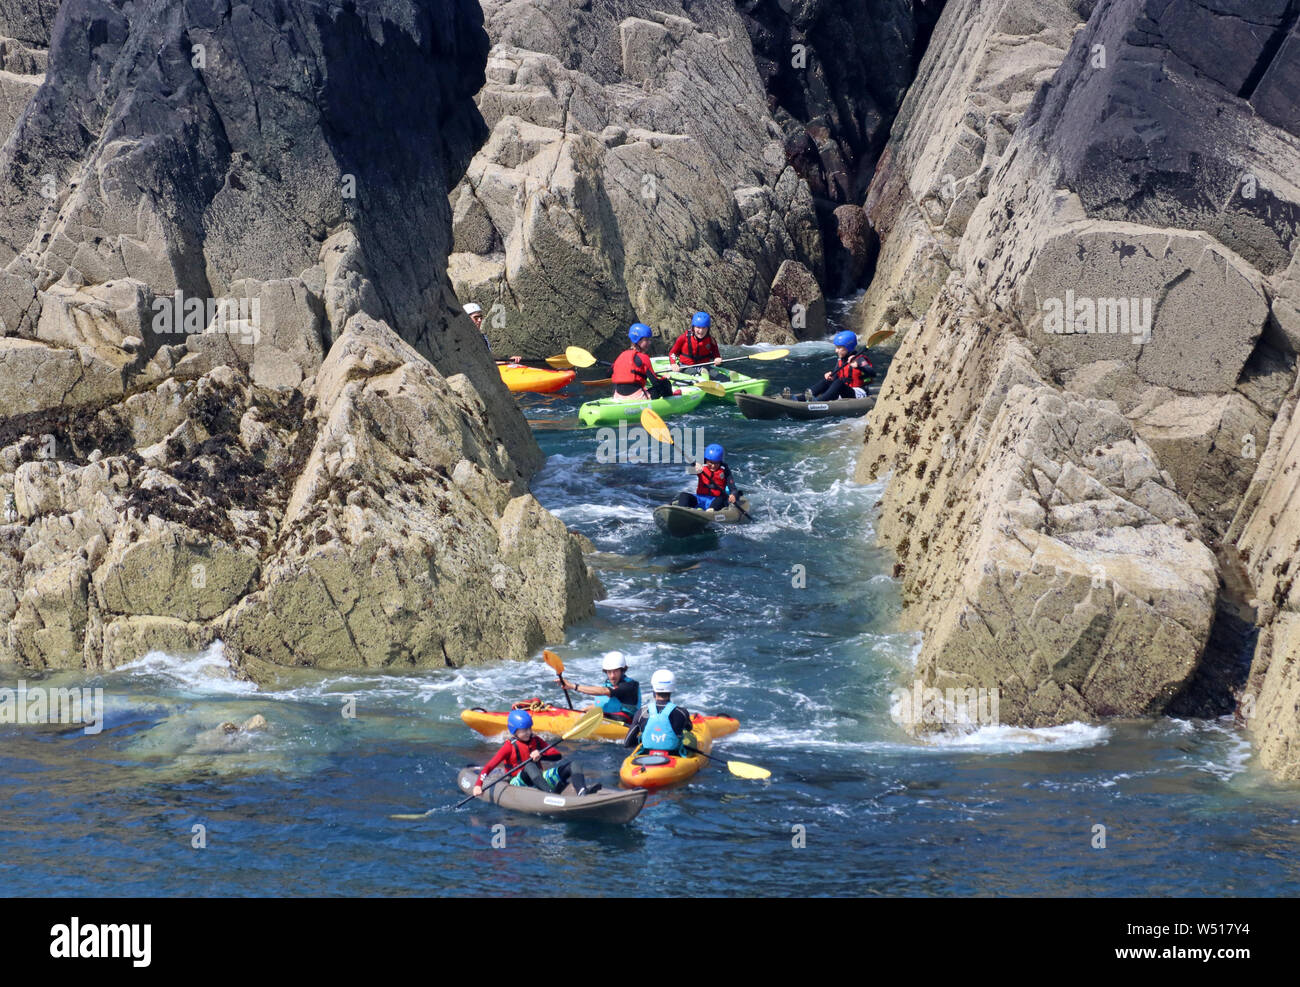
(653, 424)
(410, 815)
(579, 357)
(769, 355)
(879, 337)
(558, 363)
(742, 770)
(710, 387)
(552, 659)
(585, 726)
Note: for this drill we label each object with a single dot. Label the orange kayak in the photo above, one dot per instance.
(555, 720)
(536, 379)
(643, 770)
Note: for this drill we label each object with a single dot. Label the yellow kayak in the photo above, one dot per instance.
(555, 720)
(642, 769)
(536, 379)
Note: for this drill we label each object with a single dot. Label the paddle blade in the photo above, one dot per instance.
(769, 355)
(653, 424)
(711, 387)
(412, 815)
(579, 357)
(879, 337)
(598, 383)
(585, 726)
(742, 770)
(552, 659)
(558, 363)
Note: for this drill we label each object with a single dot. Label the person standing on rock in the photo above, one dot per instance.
(475, 313)
(622, 694)
(525, 748)
(633, 377)
(662, 726)
(697, 345)
(850, 377)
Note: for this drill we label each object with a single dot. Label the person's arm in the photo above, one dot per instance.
(497, 758)
(586, 690)
(678, 347)
(684, 723)
(634, 731)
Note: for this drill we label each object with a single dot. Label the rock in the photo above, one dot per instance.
(795, 307)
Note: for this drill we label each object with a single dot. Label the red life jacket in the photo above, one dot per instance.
(855, 369)
(631, 367)
(690, 349)
(714, 480)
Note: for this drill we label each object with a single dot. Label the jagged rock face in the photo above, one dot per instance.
(633, 171)
(1157, 167)
(318, 451)
(835, 73)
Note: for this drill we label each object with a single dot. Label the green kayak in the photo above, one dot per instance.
(608, 411)
(732, 381)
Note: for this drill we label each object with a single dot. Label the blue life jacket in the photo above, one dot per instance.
(611, 705)
(658, 733)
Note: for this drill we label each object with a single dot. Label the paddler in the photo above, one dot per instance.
(475, 313)
(849, 378)
(633, 377)
(526, 749)
(695, 346)
(622, 694)
(662, 726)
(715, 488)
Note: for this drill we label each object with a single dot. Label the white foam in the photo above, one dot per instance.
(1002, 739)
(208, 672)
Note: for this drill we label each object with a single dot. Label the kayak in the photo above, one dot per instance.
(608, 411)
(767, 408)
(642, 770)
(616, 805)
(684, 521)
(735, 382)
(535, 379)
(553, 720)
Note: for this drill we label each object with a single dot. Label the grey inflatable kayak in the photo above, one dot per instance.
(607, 805)
(684, 521)
(760, 407)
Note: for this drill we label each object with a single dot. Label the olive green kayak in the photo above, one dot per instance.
(733, 381)
(610, 805)
(682, 522)
(608, 411)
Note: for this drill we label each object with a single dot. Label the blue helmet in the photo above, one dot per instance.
(518, 720)
(701, 320)
(639, 331)
(714, 453)
(847, 339)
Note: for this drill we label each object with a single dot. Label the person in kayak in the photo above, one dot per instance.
(662, 726)
(475, 313)
(622, 694)
(715, 488)
(633, 377)
(696, 346)
(850, 377)
(526, 749)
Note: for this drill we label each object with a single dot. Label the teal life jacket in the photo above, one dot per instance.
(658, 733)
(611, 705)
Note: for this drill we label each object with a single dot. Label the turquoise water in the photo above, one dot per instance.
(303, 807)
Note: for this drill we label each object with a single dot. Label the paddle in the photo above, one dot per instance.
(653, 424)
(876, 338)
(707, 386)
(552, 659)
(764, 355)
(586, 725)
(558, 363)
(740, 769)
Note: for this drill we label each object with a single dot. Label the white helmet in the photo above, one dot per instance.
(662, 681)
(612, 661)
(473, 308)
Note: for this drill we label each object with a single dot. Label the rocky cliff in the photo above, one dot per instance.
(1088, 215)
(645, 162)
(239, 398)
